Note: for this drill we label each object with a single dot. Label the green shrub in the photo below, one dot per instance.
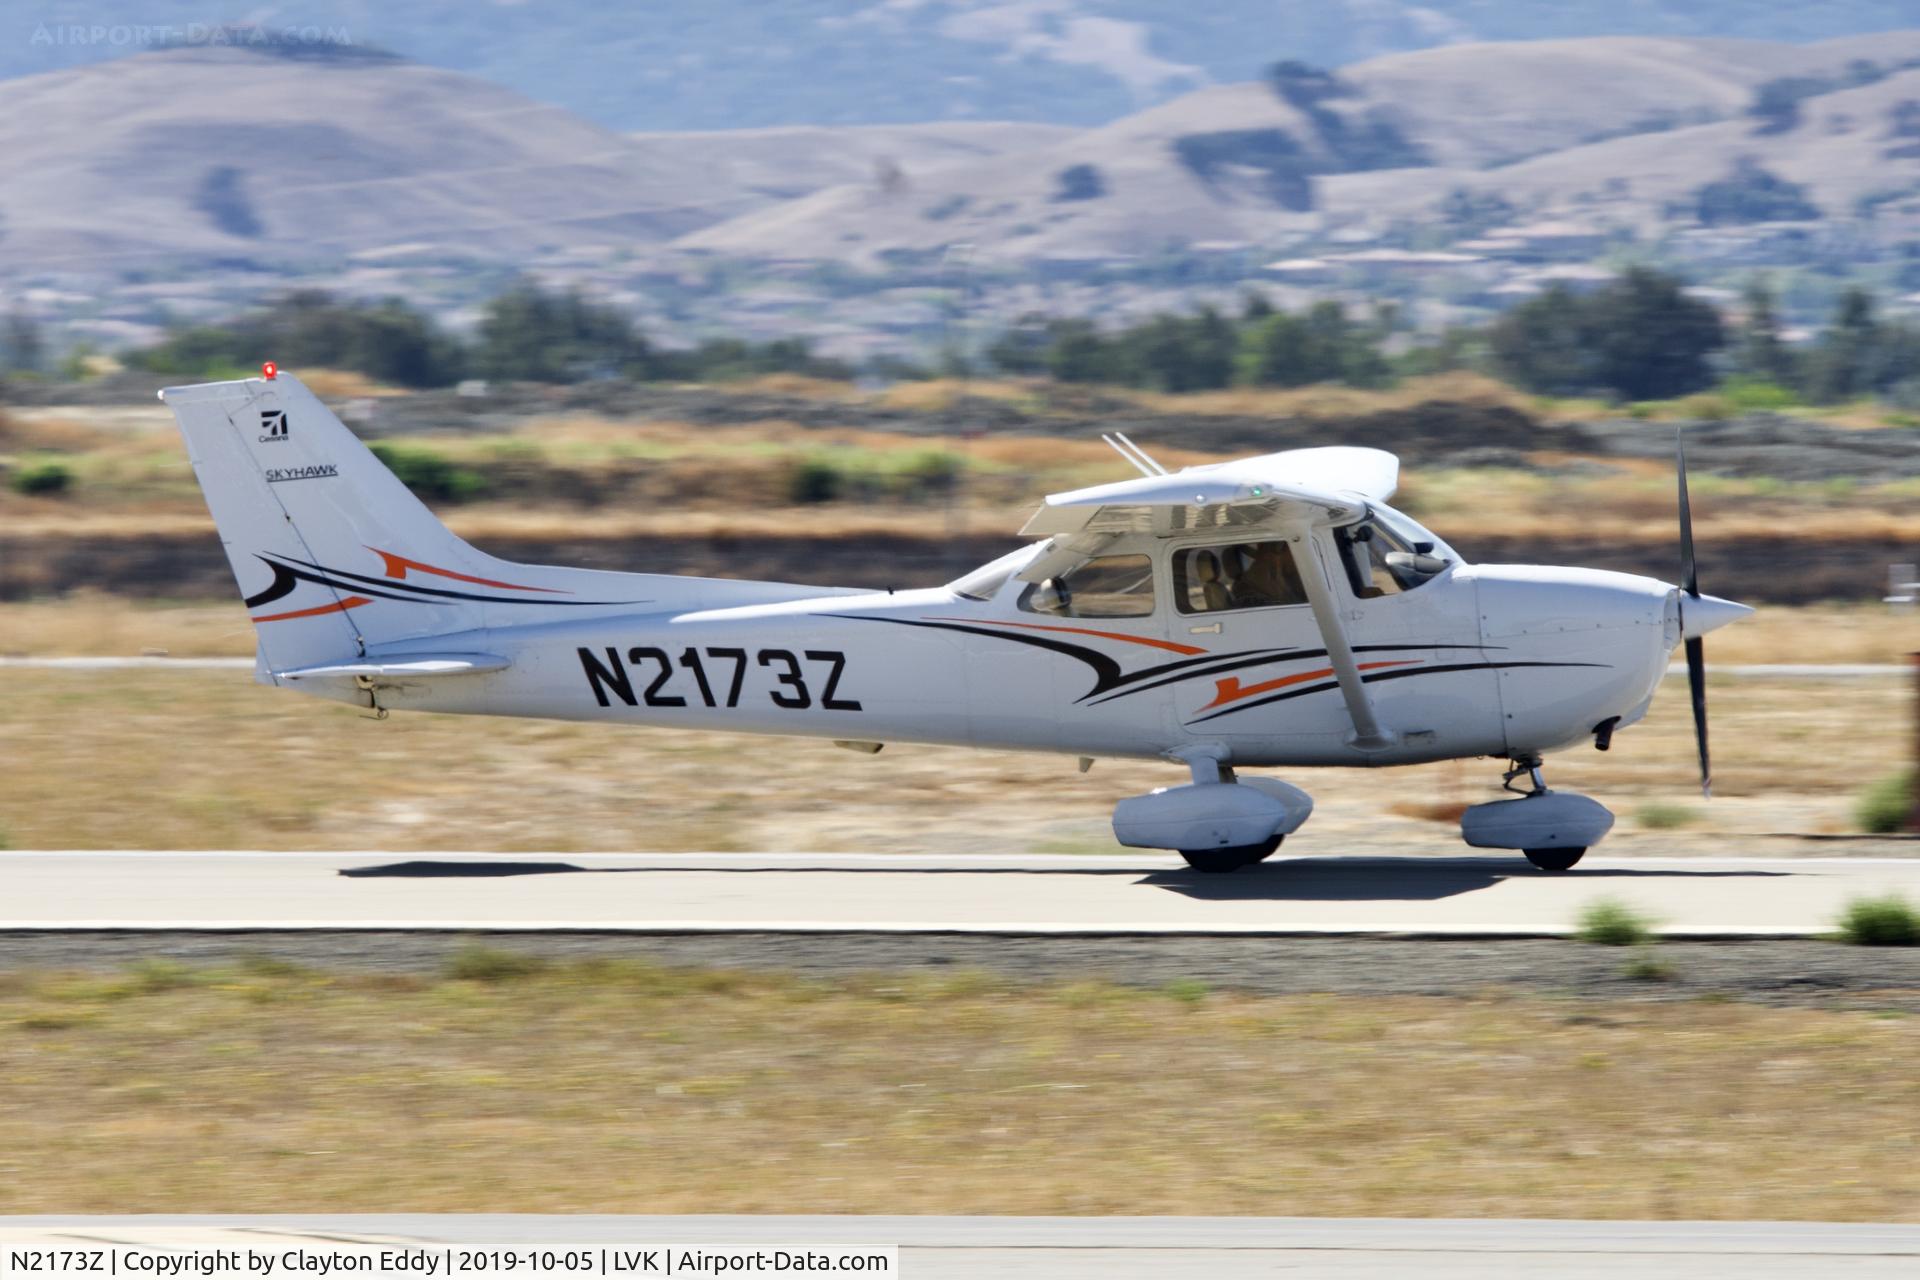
(45, 478)
(1885, 804)
(432, 478)
(931, 471)
(1748, 394)
(1889, 921)
(1186, 990)
(1661, 816)
(1647, 966)
(477, 962)
(1706, 407)
(814, 480)
(154, 975)
(1610, 923)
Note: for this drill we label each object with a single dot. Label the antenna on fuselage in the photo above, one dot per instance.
(1134, 454)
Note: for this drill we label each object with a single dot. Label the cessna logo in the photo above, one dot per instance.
(273, 425)
(319, 471)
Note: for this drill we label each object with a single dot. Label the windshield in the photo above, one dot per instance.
(1388, 553)
(1103, 587)
(985, 582)
(1412, 531)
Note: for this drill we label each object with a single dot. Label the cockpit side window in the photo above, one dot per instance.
(1103, 587)
(1382, 561)
(1242, 575)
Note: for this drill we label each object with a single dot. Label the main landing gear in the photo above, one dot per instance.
(1219, 821)
(1231, 859)
(1553, 829)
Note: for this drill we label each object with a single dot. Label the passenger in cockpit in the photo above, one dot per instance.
(1267, 576)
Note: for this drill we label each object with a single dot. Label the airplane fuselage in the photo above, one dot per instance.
(1480, 661)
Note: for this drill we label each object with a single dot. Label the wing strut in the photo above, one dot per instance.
(1134, 454)
(1368, 733)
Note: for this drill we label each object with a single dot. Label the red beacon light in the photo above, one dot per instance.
(269, 371)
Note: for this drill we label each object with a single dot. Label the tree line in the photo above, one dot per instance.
(1641, 336)
(525, 334)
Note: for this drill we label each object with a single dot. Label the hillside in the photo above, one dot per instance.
(242, 153)
(256, 155)
(731, 64)
(796, 160)
(1625, 125)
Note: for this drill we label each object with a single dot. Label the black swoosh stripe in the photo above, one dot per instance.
(284, 581)
(1106, 671)
(1373, 677)
(390, 588)
(1240, 663)
(1110, 683)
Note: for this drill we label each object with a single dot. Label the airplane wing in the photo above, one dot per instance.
(1287, 489)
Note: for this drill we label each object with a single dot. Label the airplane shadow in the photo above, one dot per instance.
(421, 869)
(1389, 879)
(427, 870)
(1313, 879)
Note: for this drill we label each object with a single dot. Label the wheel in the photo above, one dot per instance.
(1231, 858)
(1554, 859)
(1263, 851)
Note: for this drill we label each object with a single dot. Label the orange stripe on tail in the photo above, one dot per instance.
(338, 606)
(397, 567)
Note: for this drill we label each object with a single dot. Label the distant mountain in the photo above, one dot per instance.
(1625, 129)
(788, 162)
(727, 64)
(278, 157)
(298, 156)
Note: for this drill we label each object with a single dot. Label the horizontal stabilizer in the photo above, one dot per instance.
(407, 666)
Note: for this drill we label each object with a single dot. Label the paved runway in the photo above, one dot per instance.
(838, 893)
(1072, 1248)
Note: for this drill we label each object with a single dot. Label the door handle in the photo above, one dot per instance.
(1212, 629)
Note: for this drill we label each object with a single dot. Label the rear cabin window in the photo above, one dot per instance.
(1242, 575)
(1103, 587)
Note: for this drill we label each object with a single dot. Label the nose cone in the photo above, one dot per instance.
(1701, 614)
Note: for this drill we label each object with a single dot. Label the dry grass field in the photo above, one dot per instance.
(625, 1087)
(608, 476)
(207, 759)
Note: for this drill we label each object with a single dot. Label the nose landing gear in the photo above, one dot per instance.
(1553, 829)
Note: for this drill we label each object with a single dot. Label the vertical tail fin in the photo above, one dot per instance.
(335, 555)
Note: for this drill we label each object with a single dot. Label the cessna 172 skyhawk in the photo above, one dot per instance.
(1271, 611)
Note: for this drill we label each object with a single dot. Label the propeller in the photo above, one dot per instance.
(1695, 640)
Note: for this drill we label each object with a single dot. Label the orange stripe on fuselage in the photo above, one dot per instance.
(1231, 690)
(397, 567)
(1168, 645)
(338, 606)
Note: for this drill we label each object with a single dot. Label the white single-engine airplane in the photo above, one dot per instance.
(1267, 612)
